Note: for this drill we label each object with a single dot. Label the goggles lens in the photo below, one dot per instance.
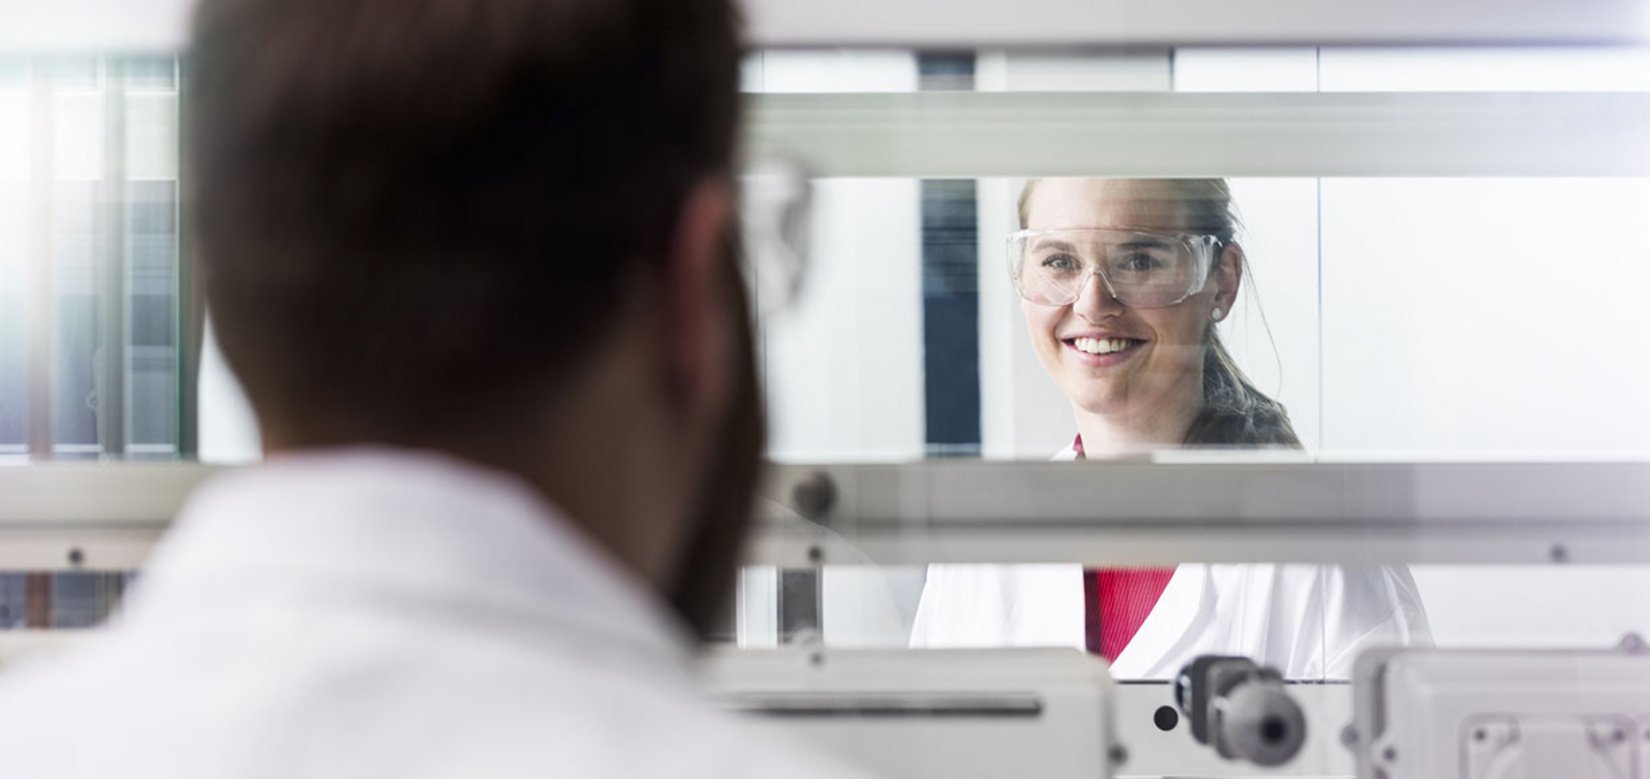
(1140, 269)
(776, 210)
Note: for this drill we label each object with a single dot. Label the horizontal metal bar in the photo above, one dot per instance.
(1101, 545)
(1098, 513)
(128, 496)
(1231, 490)
(1158, 513)
(931, 134)
(963, 23)
(160, 25)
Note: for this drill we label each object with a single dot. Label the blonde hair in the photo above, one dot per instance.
(1234, 411)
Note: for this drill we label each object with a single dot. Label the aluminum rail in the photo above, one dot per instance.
(1242, 509)
(89, 516)
(1117, 23)
(154, 25)
(1325, 134)
(1157, 513)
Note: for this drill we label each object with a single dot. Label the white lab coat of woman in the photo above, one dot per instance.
(1308, 621)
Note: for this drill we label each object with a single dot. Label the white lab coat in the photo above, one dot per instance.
(1308, 621)
(369, 613)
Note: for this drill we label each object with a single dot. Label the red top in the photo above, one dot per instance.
(1116, 601)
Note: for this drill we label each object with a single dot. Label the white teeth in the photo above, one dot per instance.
(1100, 345)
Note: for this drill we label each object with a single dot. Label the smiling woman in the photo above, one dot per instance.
(1123, 283)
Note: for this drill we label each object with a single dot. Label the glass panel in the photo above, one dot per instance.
(94, 223)
(152, 318)
(77, 338)
(1367, 308)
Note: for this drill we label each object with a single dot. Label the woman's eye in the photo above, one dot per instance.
(1140, 262)
(1060, 262)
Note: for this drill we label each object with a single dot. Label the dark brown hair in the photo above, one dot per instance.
(412, 216)
(1234, 411)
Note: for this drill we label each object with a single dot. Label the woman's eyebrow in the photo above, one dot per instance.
(1053, 243)
(1149, 243)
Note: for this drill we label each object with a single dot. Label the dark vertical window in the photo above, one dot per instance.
(942, 71)
(951, 318)
(950, 290)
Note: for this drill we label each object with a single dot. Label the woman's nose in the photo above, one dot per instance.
(1094, 301)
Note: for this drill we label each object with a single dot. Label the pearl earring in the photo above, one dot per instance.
(1216, 314)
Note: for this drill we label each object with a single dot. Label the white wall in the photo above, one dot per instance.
(1496, 317)
(844, 364)
(228, 433)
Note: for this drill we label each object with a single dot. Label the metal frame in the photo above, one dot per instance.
(161, 24)
(1317, 134)
(191, 308)
(1179, 509)
(86, 516)
(1117, 23)
(111, 263)
(42, 304)
(1245, 509)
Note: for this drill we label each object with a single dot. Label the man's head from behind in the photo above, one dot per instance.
(497, 228)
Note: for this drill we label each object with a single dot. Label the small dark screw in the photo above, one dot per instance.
(816, 659)
(1165, 718)
(814, 496)
(1559, 554)
(1480, 734)
(1391, 754)
(1618, 735)
(1118, 755)
(76, 557)
(816, 555)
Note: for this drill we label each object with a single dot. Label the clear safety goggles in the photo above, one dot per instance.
(776, 217)
(1140, 269)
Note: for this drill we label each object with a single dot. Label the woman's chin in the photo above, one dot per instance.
(1104, 404)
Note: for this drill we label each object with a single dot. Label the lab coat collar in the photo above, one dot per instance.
(401, 528)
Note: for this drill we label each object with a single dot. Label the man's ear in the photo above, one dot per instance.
(1228, 276)
(693, 319)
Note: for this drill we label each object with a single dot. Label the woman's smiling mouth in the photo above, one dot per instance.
(1101, 352)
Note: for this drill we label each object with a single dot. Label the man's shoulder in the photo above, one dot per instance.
(446, 709)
